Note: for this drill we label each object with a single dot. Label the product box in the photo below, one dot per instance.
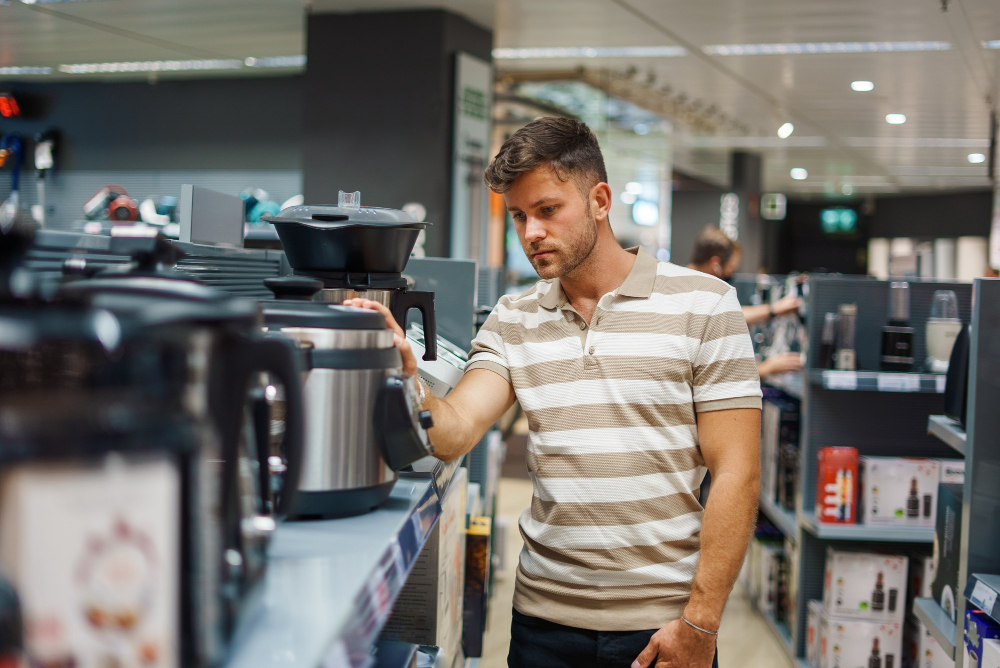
(429, 609)
(771, 555)
(836, 485)
(852, 643)
(477, 581)
(947, 547)
(991, 654)
(814, 614)
(862, 585)
(952, 470)
(897, 491)
(929, 653)
(978, 629)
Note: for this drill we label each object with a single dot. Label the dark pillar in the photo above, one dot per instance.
(746, 183)
(378, 109)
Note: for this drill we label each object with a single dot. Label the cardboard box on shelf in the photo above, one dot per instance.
(863, 585)
(854, 643)
(978, 629)
(991, 654)
(477, 579)
(953, 471)
(898, 491)
(771, 555)
(929, 653)
(429, 609)
(947, 547)
(836, 485)
(814, 613)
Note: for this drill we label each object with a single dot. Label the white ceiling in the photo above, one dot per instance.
(841, 136)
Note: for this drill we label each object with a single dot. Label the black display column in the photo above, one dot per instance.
(759, 240)
(378, 107)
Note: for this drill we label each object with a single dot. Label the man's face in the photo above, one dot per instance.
(553, 220)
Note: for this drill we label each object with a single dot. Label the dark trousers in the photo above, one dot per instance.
(539, 643)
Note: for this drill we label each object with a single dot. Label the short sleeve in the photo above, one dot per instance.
(487, 349)
(725, 370)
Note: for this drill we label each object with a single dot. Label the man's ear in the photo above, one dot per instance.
(600, 201)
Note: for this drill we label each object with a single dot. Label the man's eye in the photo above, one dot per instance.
(548, 210)
(518, 216)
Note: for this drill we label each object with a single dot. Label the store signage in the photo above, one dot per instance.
(773, 206)
(839, 221)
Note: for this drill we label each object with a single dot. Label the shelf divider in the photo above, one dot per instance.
(783, 519)
(937, 622)
(948, 430)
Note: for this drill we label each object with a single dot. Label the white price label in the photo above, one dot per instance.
(983, 597)
(840, 380)
(941, 381)
(898, 382)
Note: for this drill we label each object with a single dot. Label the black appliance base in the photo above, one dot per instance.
(341, 502)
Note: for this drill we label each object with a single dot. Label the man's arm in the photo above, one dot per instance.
(730, 441)
(763, 312)
(469, 410)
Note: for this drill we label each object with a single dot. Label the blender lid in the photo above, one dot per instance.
(325, 216)
(317, 315)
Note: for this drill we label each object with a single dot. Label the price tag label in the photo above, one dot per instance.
(941, 381)
(898, 382)
(983, 597)
(840, 380)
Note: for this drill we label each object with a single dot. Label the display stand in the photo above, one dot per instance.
(880, 414)
(980, 442)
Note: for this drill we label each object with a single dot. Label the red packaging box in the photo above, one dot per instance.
(837, 486)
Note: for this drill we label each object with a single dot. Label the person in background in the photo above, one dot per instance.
(717, 255)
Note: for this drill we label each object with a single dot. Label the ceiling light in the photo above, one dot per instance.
(799, 173)
(590, 52)
(992, 44)
(862, 86)
(895, 119)
(847, 189)
(151, 66)
(628, 198)
(633, 187)
(24, 71)
(821, 47)
(976, 158)
(641, 129)
(786, 130)
(276, 61)
(645, 213)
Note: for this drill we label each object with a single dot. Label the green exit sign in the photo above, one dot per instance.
(839, 221)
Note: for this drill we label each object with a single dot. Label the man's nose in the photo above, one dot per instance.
(534, 230)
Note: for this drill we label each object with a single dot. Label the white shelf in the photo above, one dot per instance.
(937, 622)
(863, 532)
(877, 381)
(783, 519)
(948, 430)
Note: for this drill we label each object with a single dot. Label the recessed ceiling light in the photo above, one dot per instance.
(799, 174)
(895, 119)
(847, 189)
(633, 187)
(976, 158)
(590, 52)
(992, 44)
(821, 47)
(862, 86)
(628, 198)
(786, 130)
(24, 71)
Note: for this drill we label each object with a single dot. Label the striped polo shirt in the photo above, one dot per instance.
(612, 538)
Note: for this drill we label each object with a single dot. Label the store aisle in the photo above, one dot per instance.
(744, 639)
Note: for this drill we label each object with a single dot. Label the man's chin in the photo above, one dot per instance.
(546, 269)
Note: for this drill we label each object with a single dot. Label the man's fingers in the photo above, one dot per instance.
(406, 352)
(646, 656)
(381, 308)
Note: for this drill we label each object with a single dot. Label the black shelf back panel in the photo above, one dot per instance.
(872, 298)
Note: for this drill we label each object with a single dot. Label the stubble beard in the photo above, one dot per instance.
(565, 260)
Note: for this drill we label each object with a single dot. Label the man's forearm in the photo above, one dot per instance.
(726, 527)
(451, 435)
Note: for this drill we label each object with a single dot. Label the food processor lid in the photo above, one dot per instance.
(317, 315)
(348, 212)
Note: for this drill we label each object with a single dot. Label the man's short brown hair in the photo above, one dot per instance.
(568, 145)
(712, 242)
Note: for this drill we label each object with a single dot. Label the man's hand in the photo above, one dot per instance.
(399, 336)
(677, 645)
(786, 305)
(784, 363)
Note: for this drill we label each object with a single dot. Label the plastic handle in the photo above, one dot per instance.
(423, 302)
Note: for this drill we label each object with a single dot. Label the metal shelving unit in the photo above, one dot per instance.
(928, 611)
(863, 532)
(948, 430)
(783, 519)
(877, 381)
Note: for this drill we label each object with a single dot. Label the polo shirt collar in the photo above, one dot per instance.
(638, 283)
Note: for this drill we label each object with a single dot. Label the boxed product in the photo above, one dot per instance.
(863, 585)
(836, 485)
(930, 654)
(991, 654)
(978, 629)
(789, 593)
(430, 607)
(947, 546)
(771, 556)
(853, 643)
(898, 491)
(814, 613)
(953, 471)
(779, 443)
(477, 579)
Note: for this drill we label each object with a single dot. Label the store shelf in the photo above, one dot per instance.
(330, 585)
(789, 383)
(937, 622)
(877, 381)
(982, 592)
(783, 519)
(863, 532)
(948, 430)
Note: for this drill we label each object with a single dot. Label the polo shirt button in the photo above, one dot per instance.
(583, 325)
(591, 350)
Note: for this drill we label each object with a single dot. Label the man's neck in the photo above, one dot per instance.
(605, 270)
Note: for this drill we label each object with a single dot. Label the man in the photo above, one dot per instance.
(635, 376)
(716, 254)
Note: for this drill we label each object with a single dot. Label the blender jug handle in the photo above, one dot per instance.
(423, 302)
